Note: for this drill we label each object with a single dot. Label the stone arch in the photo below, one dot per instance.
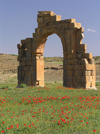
(78, 65)
(43, 38)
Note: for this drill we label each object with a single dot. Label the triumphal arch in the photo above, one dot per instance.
(78, 65)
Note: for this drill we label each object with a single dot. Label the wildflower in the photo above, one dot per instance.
(25, 125)
(12, 126)
(17, 125)
(8, 128)
(2, 131)
(33, 124)
(94, 130)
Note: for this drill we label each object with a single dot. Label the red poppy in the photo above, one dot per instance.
(2, 131)
(24, 124)
(94, 130)
(8, 128)
(17, 125)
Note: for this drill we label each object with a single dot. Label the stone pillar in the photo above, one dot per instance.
(39, 70)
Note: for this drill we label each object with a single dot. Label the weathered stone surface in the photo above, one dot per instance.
(78, 65)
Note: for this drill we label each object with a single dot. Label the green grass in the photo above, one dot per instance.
(52, 109)
(59, 62)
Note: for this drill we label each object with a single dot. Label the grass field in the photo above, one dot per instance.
(52, 109)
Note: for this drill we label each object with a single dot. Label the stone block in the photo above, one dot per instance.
(23, 41)
(93, 84)
(19, 46)
(33, 63)
(79, 56)
(84, 61)
(32, 68)
(45, 12)
(75, 61)
(93, 73)
(65, 27)
(69, 48)
(90, 78)
(78, 25)
(41, 82)
(34, 35)
(73, 24)
(70, 56)
(29, 83)
(78, 73)
(72, 20)
(83, 46)
(87, 55)
(23, 63)
(40, 20)
(68, 67)
(43, 15)
(91, 61)
(28, 40)
(44, 24)
(79, 62)
(82, 29)
(70, 62)
(86, 67)
(25, 67)
(70, 84)
(83, 51)
(33, 75)
(55, 18)
(77, 84)
(69, 78)
(29, 58)
(26, 74)
(77, 67)
(46, 19)
(69, 73)
(19, 77)
(78, 78)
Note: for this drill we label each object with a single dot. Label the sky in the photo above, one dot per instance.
(18, 20)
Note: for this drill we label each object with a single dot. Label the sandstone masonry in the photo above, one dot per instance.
(78, 65)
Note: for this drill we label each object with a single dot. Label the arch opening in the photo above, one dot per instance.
(53, 71)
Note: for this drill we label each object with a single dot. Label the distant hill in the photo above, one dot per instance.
(52, 66)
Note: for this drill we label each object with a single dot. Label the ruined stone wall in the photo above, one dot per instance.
(78, 65)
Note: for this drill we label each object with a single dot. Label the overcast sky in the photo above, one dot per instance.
(18, 20)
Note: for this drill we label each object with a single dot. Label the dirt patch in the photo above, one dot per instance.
(5, 77)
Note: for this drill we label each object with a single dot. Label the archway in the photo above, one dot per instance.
(78, 65)
(40, 52)
(40, 49)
